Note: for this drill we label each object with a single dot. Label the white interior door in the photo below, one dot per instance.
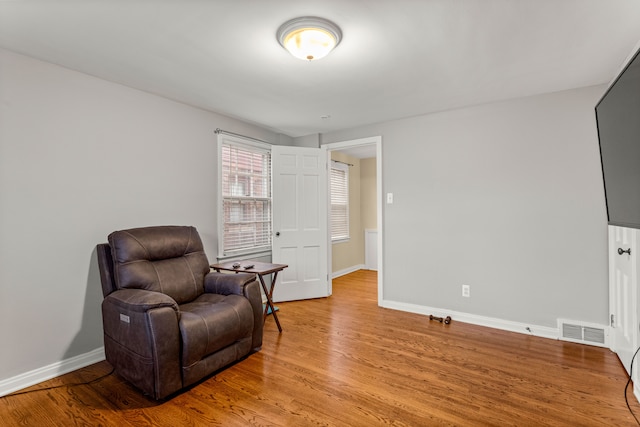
(623, 292)
(300, 222)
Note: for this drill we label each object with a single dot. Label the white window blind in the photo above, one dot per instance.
(339, 201)
(246, 198)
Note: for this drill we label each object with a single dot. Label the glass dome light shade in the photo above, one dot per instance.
(309, 38)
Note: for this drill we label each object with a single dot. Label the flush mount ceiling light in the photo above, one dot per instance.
(309, 37)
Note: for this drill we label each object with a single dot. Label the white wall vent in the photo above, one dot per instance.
(583, 333)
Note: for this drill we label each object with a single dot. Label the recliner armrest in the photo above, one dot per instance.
(142, 339)
(227, 284)
(140, 300)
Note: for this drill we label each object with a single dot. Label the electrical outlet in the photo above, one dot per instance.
(466, 291)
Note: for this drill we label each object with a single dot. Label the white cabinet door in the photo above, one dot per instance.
(300, 222)
(623, 292)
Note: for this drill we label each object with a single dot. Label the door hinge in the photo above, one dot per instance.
(612, 321)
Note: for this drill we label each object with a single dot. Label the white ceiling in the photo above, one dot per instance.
(397, 59)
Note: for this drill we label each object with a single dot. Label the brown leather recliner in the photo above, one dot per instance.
(168, 321)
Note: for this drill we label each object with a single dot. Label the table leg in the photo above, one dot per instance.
(268, 293)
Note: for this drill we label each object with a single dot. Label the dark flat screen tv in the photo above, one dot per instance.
(618, 119)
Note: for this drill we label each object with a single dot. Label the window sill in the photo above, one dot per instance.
(244, 255)
(338, 241)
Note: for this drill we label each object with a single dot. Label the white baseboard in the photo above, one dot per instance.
(347, 270)
(45, 373)
(490, 322)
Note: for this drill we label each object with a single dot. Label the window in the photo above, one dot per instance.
(339, 201)
(246, 196)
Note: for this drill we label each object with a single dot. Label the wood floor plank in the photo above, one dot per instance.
(344, 361)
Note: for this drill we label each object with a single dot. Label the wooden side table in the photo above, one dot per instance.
(261, 269)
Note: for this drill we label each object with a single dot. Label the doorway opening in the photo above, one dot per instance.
(365, 244)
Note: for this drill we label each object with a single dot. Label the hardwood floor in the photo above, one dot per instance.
(343, 361)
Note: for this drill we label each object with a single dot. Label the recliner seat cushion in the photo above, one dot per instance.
(206, 328)
(166, 259)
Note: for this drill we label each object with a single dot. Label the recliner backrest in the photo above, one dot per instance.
(166, 259)
(105, 265)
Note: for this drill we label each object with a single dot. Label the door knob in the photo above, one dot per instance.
(278, 234)
(620, 251)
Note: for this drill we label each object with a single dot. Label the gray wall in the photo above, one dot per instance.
(312, 141)
(505, 197)
(79, 158)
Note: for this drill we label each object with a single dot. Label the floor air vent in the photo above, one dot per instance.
(582, 333)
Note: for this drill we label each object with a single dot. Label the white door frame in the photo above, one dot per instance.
(336, 146)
